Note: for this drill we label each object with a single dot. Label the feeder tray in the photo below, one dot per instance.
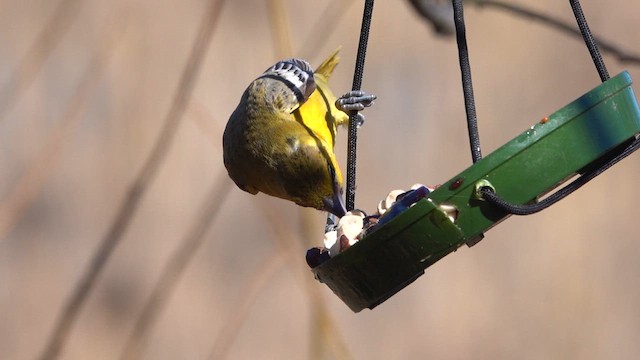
(393, 255)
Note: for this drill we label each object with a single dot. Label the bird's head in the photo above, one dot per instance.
(297, 74)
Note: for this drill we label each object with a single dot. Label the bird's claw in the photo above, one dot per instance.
(356, 100)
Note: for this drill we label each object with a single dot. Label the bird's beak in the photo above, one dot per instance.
(335, 205)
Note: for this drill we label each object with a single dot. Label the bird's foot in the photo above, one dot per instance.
(355, 101)
(332, 223)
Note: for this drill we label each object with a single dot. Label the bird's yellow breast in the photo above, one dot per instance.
(319, 113)
(321, 117)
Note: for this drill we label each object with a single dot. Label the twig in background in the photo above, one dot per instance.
(208, 126)
(248, 295)
(323, 28)
(324, 332)
(327, 329)
(180, 259)
(431, 10)
(621, 54)
(30, 65)
(290, 250)
(30, 184)
(281, 27)
(139, 187)
(175, 267)
(438, 13)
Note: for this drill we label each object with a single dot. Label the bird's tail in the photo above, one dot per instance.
(326, 68)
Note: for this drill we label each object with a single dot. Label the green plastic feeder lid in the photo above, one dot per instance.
(529, 166)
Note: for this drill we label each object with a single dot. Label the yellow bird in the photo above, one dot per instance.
(280, 138)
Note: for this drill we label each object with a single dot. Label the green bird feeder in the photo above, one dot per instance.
(584, 138)
(584, 133)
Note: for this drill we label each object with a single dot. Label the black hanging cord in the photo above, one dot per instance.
(589, 40)
(357, 84)
(467, 85)
(494, 199)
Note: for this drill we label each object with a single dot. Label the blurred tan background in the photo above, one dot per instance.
(85, 89)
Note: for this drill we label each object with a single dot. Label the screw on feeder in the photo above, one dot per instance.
(456, 184)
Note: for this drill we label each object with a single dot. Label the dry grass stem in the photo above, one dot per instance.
(175, 267)
(324, 27)
(38, 52)
(281, 28)
(30, 184)
(621, 54)
(140, 185)
(248, 296)
(321, 319)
